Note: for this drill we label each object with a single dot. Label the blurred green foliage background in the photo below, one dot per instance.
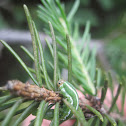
(108, 22)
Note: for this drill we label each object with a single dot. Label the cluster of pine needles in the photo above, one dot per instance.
(20, 100)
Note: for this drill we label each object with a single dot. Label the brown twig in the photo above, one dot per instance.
(32, 91)
(28, 91)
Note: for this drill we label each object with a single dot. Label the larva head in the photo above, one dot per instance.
(60, 82)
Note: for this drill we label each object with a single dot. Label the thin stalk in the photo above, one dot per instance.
(30, 55)
(67, 27)
(50, 47)
(73, 10)
(86, 32)
(90, 121)
(97, 122)
(76, 30)
(42, 59)
(11, 113)
(55, 74)
(16, 113)
(36, 60)
(6, 98)
(81, 114)
(33, 71)
(123, 96)
(26, 113)
(105, 122)
(112, 121)
(35, 49)
(5, 106)
(69, 59)
(40, 113)
(27, 52)
(75, 112)
(89, 86)
(104, 90)
(115, 99)
(20, 61)
(56, 115)
(98, 77)
(110, 83)
(95, 112)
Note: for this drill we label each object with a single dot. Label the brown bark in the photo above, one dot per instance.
(34, 92)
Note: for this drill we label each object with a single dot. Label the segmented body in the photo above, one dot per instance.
(69, 92)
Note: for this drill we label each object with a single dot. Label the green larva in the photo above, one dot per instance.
(68, 92)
